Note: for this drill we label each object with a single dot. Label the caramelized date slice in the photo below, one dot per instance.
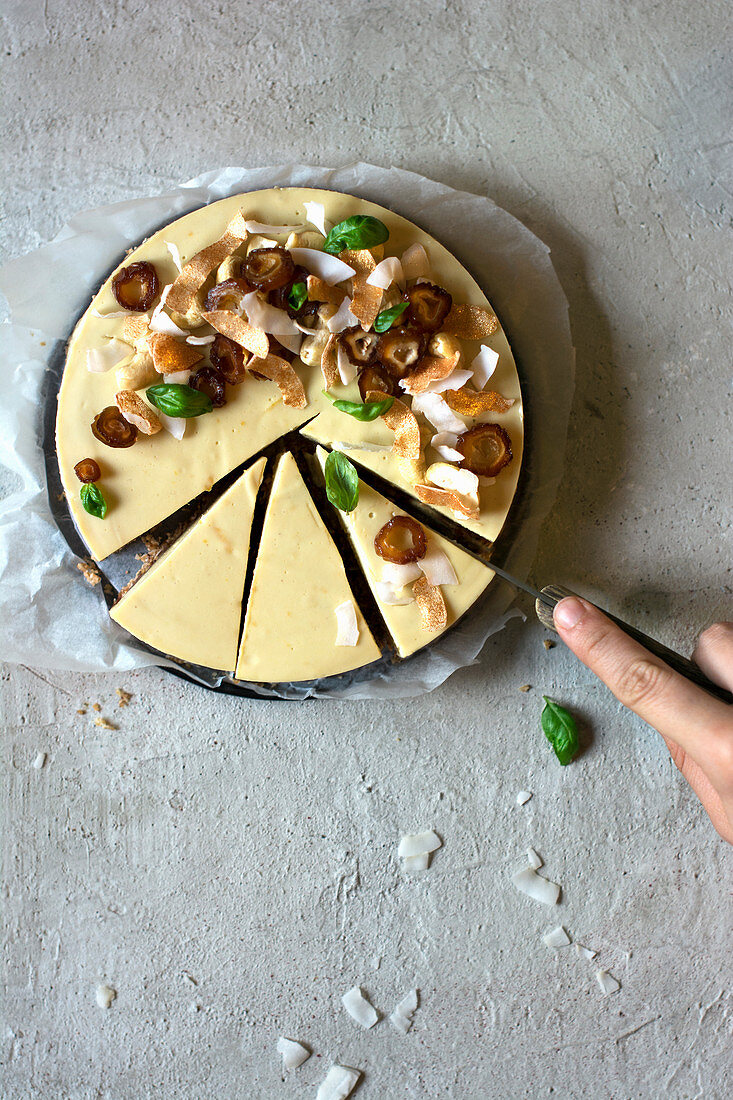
(208, 380)
(87, 471)
(227, 357)
(486, 449)
(360, 346)
(429, 305)
(401, 349)
(279, 298)
(268, 268)
(227, 295)
(401, 541)
(111, 428)
(375, 378)
(136, 286)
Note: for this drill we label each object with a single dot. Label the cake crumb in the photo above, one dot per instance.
(40, 760)
(105, 724)
(125, 697)
(89, 572)
(548, 643)
(97, 707)
(82, 710)
(105, 995)
(526, 687)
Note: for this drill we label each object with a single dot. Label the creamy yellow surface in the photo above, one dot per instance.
(299, 579)
(147, 482)
(403, 620)
(189, 603)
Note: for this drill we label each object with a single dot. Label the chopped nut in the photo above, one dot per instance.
(525, 687)
(137, 372)
(105, 724)
(134, 410)
(548, 643)
(125, 696)
(89, 572)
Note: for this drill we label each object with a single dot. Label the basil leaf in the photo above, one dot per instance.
(361, 231)
(93, 501)
(369, 410)
(176, 400)
(387, 317)
(298, 295)
(342, 482)
(560, 730)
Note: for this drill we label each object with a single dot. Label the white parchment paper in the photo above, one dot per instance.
(49, 616)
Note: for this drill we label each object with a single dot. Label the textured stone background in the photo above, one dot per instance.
(229, 867)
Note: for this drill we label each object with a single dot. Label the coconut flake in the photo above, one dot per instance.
(417, 844)
(535, 860)
(430, 369)
(557, 937)
(112, 313)
(534, 886)
(346, 369)
(327, 267)
(386, 272)
(176, 425)
(446, 476)
(100, 360)
(415, 263)
(266, 317)
(347, 627)
(417, 863)
(523, 796)
(161, 322)
(315, 213)
(294, 1053)
(401, 1018)
(362, 445)
(265, 229)
(445, 445)
(105, 996)
(400, 575)
(199, 341)
(342, 318)
(453, 381)
(175, 254)
(389, 594)
(339, 1082)
(179, 377)
(483, 366)
(291, 341)
(437, 566)
(359, 1007)
(585, 952)
(607, 982)
(40, 760)
(435, 409)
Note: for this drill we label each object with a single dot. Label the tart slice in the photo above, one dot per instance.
(408, 601)
(189, 603)
(292, 625)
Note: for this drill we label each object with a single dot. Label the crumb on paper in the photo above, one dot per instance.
(82, 710)
(97, 707)
(89, 572)
(548, 643)
(40, 760)
(105, 724)
(105, 995)
(526, 687)
(125, 697)
(607, 982)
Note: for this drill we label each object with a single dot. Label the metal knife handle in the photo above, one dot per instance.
(551, 595)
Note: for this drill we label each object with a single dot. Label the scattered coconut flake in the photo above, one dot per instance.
(484, 365)
(105, 995)
(294, 1053)
(268, 230)
(283, 374)
(434, 408)
(387, 272)
(327, 267)
(346, 369)
(417, 844)
(320, 291)
(607, 982)
(268, 318)
(347, 627)
(339, 1082)
(401, 1018)
(431, 368)
(112, 313)
(400, 420)
(137, 412)
(359, 1007)
(431, 605)
(315, 213)
(194, 274)
(446, 476)
(470, 322)
(366, 300)
(342, 318)
(134, 327)
(360, 445)
(175, 254)
(236, 328)
(291, 341)
(179, 377)
(447, 498)
(100, 360)
(399, 575)
(469, 402)
(176, 425)
(437, 566)
(445, 445)
(534, 886)
(171, 355)
(523, 796)
(453, 381)
(199, 341)
(417, 863)
(389, 594)
(535, 861)
(329, 362)
(160, 321)
(415, 263)
(40, 760)
(585, 952)
(557, 937)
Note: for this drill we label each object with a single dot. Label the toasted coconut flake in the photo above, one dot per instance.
(329, 362)
(241, 331)
(431, 368)
(339, 1082)
(100, 360)
(170, 355)
(402, 422)
(342, 318)
(437, 566)
(268, 318)
(474, 402)
(452, 382)
(175, 425)
(446, 498)
(179, 377)
(194, 274)
(434, 408)
(445, 444)
(446, 476)
(557, 937)
(431, 604)
(175, 254)
(135, 326)
(315, 213)
(366, 299)
(415, 262)
(321, 291)
(270, 230)
(327, 267)
(136, 412)
(418, 844)
(389, 594)
(607, 982)
(347, 626)
(281, 372)
(347, 369)
(387, 272)
(294, 1053)
(484, 365)
(200, 341)
(536, 887)
(360, 1008)
(470, 322)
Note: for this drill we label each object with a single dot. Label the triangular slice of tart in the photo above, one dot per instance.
(291, 626)
(392, 583)
(189, 603)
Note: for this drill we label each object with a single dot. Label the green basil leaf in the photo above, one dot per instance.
(93, 501)
(176, 400)
(387, 317)
(361, 231)
(342, 482)
(298, 295)
(560, 730)
(368, 410)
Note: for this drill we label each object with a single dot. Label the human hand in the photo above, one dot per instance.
(697, 728)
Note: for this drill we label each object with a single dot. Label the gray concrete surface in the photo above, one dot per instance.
(228, 867)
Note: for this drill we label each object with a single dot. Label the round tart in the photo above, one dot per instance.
(218, 337)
